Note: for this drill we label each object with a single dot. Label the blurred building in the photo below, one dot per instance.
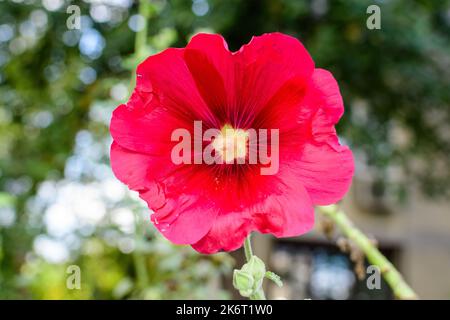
(415, 236)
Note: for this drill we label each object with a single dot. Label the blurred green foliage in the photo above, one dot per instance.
(58, 84)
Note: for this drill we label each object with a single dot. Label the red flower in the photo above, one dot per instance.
(269, 83)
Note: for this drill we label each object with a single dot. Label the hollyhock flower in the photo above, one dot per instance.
(269, 83)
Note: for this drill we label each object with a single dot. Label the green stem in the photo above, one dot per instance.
(139, 50)
(259, 294)
(248, 248)
(138, 258)
(141, 36)
(140, 41)
(394, 279)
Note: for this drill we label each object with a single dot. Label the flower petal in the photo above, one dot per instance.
(212, 67)
(286, 212)
(143, 130)
(227, 233)
(183, 219)
(173, 85)
(130, 167)
(165, 98)
(324, 99)
(263, 67)
(326, 172)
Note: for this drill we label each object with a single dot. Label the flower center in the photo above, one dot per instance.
(231, 143)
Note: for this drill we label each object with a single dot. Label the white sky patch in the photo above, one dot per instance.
(136, 22)
(88, 197)
(100, 13)
(7, 216)
(6, 32)
(76, 206)
(59, 220)
(119, 92)
(52, 5)
(124, 219)
(113, 189)
(51, 250)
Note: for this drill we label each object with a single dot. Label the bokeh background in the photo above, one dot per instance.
(60, 204)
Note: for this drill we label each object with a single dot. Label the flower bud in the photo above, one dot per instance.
(243, 281)
(256, 267)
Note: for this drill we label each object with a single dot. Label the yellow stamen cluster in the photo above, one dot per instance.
(231, 143)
